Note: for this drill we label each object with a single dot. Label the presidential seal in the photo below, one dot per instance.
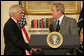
(54, 39)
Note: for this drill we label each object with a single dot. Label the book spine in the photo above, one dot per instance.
(42, 23)
(37, 23)
(49, 22)
(46, 22)
(34, 23)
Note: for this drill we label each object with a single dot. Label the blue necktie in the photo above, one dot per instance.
(58, 26)
(58, 22)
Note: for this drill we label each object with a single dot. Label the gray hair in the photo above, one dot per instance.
(59, 6)
(14, 9)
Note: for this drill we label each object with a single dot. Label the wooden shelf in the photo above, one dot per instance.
(39, 30)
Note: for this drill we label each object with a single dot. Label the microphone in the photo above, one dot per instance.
(58, 28)
(51, 27)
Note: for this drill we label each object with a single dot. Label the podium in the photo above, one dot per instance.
(40, 41)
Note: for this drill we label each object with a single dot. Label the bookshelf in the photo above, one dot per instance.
(39, 30)
(40, 26)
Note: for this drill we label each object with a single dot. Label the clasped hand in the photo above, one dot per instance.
(36, 49)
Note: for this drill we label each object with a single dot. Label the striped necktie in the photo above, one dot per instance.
(58, 26)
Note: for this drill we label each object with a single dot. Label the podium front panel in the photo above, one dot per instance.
(40, 41)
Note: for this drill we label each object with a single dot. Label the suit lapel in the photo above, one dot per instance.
(62, 24)
(54, 24)
(15, 24)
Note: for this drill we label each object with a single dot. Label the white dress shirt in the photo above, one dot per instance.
(14, 20)
(60, 20)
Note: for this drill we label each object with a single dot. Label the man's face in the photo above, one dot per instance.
(54, 11)
(19, 14)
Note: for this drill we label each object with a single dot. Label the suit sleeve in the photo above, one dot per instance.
(15, 39)
(73, 27)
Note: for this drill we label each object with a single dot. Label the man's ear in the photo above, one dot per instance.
(14, 13)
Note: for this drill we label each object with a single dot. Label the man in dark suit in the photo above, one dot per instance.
(14, 42)
(61, 23)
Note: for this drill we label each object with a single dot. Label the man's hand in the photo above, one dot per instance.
(36, 49)
(68, 54)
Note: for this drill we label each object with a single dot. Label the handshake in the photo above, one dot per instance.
(36, 49)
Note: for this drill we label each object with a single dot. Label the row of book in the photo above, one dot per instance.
(41, 23)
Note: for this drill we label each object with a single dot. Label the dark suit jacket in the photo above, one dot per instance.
(68, 26)
(14, 42)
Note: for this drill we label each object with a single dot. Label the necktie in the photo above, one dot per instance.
(58, 26)
(18, 25)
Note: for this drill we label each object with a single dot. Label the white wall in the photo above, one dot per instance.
(5, 5)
